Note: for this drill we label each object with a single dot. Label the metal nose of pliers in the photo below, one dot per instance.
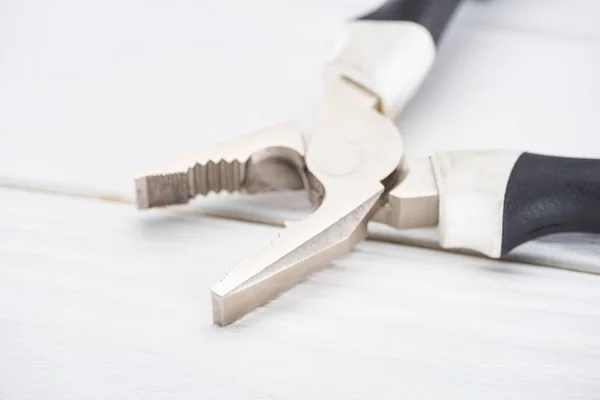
(347, 164)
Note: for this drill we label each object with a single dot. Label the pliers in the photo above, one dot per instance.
(351, 165)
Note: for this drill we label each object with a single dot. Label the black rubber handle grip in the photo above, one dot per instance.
(431, 14)
(548, 194)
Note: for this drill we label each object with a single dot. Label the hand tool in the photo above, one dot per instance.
(351, 165)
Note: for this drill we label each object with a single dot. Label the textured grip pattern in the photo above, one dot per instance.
(548, 194)
(431, 14)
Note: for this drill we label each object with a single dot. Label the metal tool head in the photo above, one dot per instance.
(347, 162)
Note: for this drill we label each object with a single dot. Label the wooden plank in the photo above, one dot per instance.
(98, 301)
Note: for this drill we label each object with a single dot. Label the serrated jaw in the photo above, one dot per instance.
(231, 166)
(300, 250)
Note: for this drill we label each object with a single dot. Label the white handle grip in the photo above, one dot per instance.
(389, 58)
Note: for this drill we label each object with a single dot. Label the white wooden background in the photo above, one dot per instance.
(100, 301)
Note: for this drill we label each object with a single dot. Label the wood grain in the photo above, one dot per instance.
(99, 301)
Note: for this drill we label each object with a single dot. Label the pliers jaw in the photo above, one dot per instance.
(271, 159)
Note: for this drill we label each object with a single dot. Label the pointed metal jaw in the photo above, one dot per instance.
(267, 160)
(353, 158)
(301, 249)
